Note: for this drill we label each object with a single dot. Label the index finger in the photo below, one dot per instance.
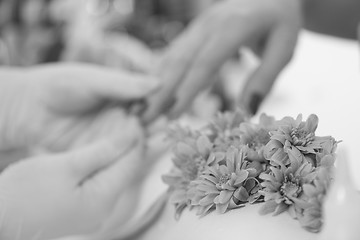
(278, 53)
(217, 48)
(77, 88)
(173, 68)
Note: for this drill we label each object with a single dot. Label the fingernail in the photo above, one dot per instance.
(169, 104)
(138, 107)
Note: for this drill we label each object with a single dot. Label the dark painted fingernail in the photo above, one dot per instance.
(169, 104)
(138, 107)
(255, 101)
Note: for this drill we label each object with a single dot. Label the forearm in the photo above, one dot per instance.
(334, 17)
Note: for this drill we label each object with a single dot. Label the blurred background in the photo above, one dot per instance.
(127, 34)
(110, 32)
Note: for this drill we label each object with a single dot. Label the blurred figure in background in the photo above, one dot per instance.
(39, 31)
(29, 32)
(127, 34)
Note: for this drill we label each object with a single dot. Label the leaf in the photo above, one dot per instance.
(241, 194)
(250, 183)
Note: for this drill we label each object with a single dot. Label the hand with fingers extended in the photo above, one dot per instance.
(269, 27)
(54, 108)
(70, 193)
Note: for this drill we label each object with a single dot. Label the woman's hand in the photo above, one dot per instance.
(269, 27)
(71, 193)
(57, 107)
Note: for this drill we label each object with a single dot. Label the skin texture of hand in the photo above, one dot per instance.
(71, 193)
(54, 108)
(269, 27)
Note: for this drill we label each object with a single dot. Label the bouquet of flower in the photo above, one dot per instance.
(233, 162)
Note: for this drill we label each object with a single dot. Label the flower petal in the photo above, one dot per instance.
(221, 208)
(219, 156)
(280, 157)
(210, 178)
(203, 210)
(241, 177)
(309, 190)
(279, 137)
(327, 161)
(178, 196)
(208, 199)
(278, 174)
(225, 196)
(182, 149)
(268, 207)
(282, 207)
(207, 188)
(203, 145)
(267, 177)
(272, 186)
(311, 123)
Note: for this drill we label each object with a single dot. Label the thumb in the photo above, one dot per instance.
(125, 174)
(84, 162)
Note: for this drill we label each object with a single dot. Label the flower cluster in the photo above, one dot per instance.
(233, 162)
